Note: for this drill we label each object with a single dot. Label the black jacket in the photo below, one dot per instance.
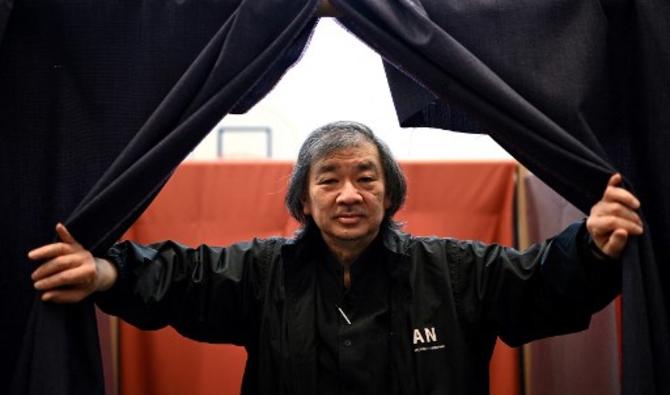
(450, 299)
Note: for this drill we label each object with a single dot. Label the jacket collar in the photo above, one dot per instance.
(394, 241)
(295, 254)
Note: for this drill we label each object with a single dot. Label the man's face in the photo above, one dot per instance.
(346, 194)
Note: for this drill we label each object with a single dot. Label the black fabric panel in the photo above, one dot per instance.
(79, 79)
(5, 12)
(59, 354)
(416, 106)
(272, 76)
(230, 65)
(463, 78)
(568, 90)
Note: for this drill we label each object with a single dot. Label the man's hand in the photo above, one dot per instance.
(613, 219)
(70, 272)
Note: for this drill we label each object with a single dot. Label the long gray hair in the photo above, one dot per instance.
(332, 137)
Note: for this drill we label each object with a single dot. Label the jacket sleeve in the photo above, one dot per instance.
(206, 293)
(550, 289)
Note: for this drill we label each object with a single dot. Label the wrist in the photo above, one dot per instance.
(106, 274)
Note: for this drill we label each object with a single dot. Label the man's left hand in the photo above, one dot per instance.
(614, 218)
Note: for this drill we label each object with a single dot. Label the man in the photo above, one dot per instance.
(351, 304)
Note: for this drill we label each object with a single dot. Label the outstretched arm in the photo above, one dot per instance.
(551, 288)
(205, 293)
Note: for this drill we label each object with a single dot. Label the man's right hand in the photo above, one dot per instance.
(70, 272)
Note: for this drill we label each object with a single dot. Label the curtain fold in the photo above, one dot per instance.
(404, 35)
(562, 87)
(231, 64)
(5, 12)
(79, 80)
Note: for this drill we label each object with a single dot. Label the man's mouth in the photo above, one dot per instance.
(349, 218)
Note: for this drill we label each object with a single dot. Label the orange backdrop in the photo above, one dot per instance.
(224, 202)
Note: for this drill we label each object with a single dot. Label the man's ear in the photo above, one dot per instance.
(306, 208)
(387, 202)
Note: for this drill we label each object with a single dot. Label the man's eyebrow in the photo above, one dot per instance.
(362, 166)
(325, 168)
(366, 165)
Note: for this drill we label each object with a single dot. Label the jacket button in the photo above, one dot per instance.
(347, 343)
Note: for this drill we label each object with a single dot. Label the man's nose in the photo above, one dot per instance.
(349, 194)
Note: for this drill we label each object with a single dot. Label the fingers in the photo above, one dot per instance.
(68, 246)
(615, 243)
(617, 210)
(70, 271)
(71, 278)
(622, 196)
(615, 180)
(614, 218)
(603, 226)
(64, 234)
(50, 251)
(56, 265)
(79, 277)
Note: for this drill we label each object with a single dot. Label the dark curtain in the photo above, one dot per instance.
(572, 89)
(5, 11)
(78, 80)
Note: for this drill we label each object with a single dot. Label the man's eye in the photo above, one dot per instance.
(366, 179)
(327, 181)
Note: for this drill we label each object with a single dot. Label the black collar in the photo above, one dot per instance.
(295, 252)
(394, 241)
